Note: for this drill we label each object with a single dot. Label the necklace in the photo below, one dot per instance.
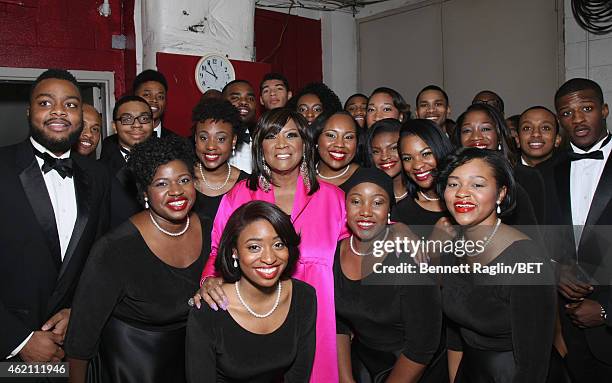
(428, 198)
(250, 310)
(402, 196)
(229, 173)
(365, 254)
(487, 241)
(177, 234)
(333, 177)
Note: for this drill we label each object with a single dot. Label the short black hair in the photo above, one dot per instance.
(329, 100)
(432, 87)
(149, 75)
(440, 145)
(216, 110)
(237, 81)
(150, 154)
(318, 125)
(499, 100)
(274, 76)
(386, 125)
(54, 73)
(502, 171)
(272, 122)
(578, 84)
(245, 215)
(355, 95)
(504, 137)
(126, 99)
(518, 123)
(398, 101)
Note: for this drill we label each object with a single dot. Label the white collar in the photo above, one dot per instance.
(42, 149)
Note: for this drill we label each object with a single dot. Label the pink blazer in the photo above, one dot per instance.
(320, 219)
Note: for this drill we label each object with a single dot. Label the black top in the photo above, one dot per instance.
(388, 314)
(420, 220)
(136, 305)
(343, 186)
(513, 316)
(533, 183)
(220, 350)
(207, 206)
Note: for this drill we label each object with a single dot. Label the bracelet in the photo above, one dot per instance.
(603, 313)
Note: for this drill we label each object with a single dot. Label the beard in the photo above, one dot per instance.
(52, 144)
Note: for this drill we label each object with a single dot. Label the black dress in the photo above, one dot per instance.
(418, 219)
(131, 308)
(206, 206)
(388, 315)
(220, 350)
(505, 324)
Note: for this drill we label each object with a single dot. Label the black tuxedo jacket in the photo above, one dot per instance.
(594, 252)
(123, 194)
(34, 282)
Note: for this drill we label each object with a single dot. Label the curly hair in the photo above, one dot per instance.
(147, 156)
(329, 100)
(216, 110)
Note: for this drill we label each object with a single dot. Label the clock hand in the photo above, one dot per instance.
(213, 73)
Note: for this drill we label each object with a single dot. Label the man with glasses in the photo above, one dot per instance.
(133, 122)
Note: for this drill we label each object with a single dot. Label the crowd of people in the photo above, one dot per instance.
(265, 247)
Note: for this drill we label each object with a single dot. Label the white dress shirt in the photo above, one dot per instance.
(158, 129)
(242, 158)
(584, 178)
(63, 198)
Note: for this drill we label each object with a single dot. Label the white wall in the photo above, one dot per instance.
(218, 26)
(588, 55)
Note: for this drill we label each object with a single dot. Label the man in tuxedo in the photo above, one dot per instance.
(133, 122)
(241, 94)
(54, 206)
(579, 191)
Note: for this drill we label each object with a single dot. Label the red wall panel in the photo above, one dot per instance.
(68, 34)
(299, 56)
(183, 93)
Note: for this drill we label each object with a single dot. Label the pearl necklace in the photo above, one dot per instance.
(402, 196)
(250, 310)
(229, 173)
(177, 234)
(487, 241)
(333, 177)
(428, 198)
(365, 254)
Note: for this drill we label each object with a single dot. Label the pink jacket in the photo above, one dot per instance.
(320, 219)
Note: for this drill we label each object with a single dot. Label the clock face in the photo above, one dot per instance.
(213, 72)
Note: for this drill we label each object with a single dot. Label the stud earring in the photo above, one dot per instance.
(388, 218)
(498, 207)
(235, 257)
(146, 199)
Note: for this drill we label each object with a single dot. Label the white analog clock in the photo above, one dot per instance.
(213, 71)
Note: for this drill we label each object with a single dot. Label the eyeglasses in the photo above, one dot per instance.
(128, 119)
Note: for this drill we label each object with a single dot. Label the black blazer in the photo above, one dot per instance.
(594, 253)
(34, 282)
(123, 195)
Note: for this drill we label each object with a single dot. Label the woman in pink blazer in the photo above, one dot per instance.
(284, 174)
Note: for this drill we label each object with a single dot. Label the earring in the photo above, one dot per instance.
(499, 146)
(304, 172)
(498, 207)
(263, 181)
(233, 151)
(389, 218)
(235, 260)
(146, 199)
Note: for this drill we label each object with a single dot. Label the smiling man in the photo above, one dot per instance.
(432, 104)
(579, 196)
(57, 208)
(538, 135)
(241, 94)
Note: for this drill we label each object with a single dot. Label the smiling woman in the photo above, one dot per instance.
(130, 309)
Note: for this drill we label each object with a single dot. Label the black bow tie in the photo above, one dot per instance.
(63, 166)
(594, 155)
